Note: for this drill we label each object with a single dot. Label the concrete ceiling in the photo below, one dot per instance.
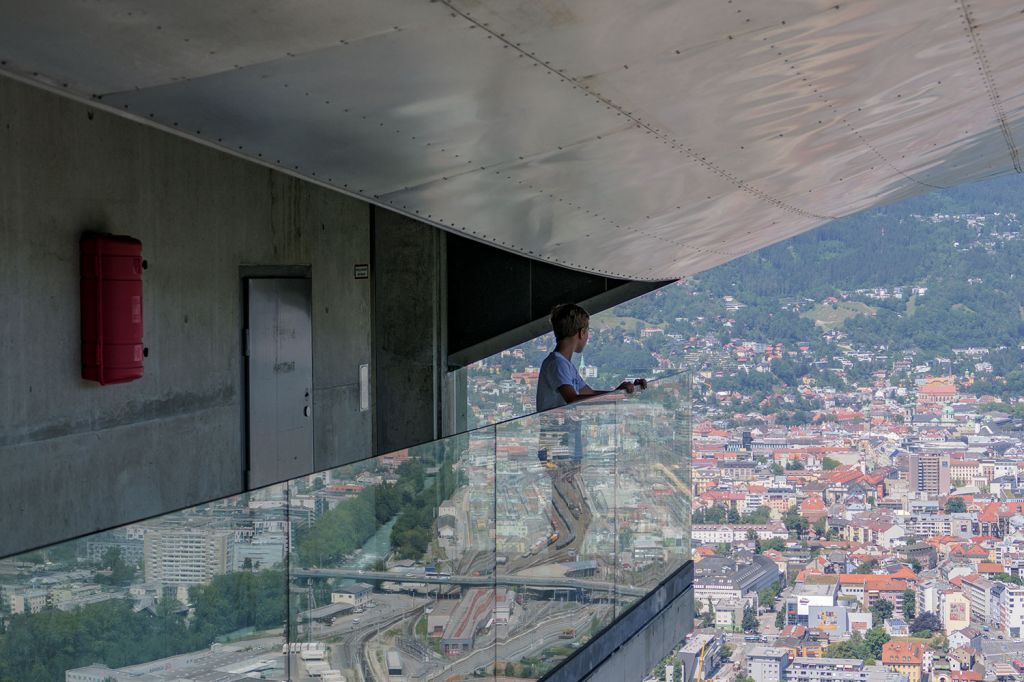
(648, 140)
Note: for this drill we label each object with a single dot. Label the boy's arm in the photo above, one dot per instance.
(570, 395)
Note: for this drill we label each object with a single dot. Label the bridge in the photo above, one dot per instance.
(473, 580)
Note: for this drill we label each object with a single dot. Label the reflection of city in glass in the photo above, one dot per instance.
(502, 550)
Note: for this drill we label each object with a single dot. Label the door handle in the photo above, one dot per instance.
(305, 411)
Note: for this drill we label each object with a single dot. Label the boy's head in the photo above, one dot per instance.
(568, 320)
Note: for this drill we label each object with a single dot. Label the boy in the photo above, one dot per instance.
(560, 435)
(560, 382)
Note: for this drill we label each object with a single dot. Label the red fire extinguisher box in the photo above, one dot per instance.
(111, 292)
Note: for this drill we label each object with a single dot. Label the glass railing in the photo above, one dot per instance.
(496, 552)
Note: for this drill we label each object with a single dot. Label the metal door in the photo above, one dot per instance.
(280, 370)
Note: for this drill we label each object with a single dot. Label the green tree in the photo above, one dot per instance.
(875, 640)
(714, 514)
(510, 669)
(780, 619)
(854, 647)
(882, 610)
(828, 463)
(776, 469)
(708, 617)
(767, 595)
(867, 567)
(760, 515)
(794, 522)
(909, 604)
(820, 527)
(750, 623)
(956, 505)
(1007, 578)
(926, 621)
(115, 571)
(778, 544)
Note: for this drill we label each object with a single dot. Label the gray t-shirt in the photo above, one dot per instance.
(556, 371)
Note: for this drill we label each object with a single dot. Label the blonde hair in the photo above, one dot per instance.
(568, 319)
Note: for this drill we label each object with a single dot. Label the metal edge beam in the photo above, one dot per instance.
(634, 643)
(530, 330)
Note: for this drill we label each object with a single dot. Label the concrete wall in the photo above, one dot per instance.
(75, 456)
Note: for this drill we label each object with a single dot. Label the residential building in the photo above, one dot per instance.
(182, 555)
(859, 622)
(1011, 610)
(729, 614)
(927, 525)
(897, 627)
(767, 664)
(832, 620)
(717, 534)
(805, 596)
(979, 592)
(927, 597)
(806, 669)
(929, 473)
(955, 610)
(906, 658)
(30, 600)
(968, 637)
(356, 594)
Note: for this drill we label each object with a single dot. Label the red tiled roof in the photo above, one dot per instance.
(904, 573)
(813, 503)
(844, 475)
(883, 584)
(895, 652)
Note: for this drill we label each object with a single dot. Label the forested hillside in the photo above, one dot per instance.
(963, 245)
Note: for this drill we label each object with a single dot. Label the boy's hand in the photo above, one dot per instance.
(631, 386)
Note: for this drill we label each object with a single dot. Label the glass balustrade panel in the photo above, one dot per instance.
(190, 593)
(393, 564)
(653, 491)
(555, 522)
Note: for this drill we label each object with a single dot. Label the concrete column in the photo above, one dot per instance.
(455, 408)
(407, 331)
